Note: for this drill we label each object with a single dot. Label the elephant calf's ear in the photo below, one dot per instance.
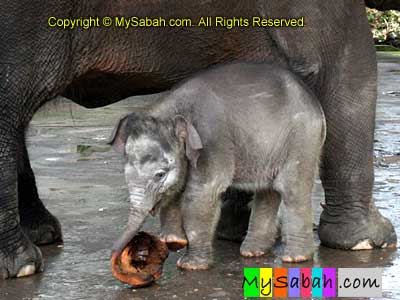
(186, 132)
(119, 136)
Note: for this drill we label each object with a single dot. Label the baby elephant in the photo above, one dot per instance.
(252, 126)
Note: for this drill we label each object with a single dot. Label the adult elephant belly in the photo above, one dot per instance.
(163, 57)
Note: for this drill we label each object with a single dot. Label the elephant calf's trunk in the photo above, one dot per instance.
(136, 219)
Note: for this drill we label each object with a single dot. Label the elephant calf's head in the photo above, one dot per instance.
(156, 155)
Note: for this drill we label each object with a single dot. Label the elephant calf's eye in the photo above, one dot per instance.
(159, 175)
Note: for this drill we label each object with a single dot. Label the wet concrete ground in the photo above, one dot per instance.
(85, 189)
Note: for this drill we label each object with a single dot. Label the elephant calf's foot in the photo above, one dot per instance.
(194, 262)
(26, 261)
(43, 230)
(254, 249)
(251, 252)
(173, 241)
(298, 249)
(370, 233)
(297, 255)
(295, 258)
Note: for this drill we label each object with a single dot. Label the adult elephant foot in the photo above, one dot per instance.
(371, 232)
(26, 260)
(44, 229)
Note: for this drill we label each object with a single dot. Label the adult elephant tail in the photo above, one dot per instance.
(383, 4)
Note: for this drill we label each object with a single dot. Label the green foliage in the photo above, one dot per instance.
(384, 24)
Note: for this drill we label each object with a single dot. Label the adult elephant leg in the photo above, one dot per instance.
(37, 222)
(335, 56)
(235, 215)
(18, 255)
(350, 219)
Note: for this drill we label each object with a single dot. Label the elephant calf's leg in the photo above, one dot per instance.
(295, 185)
(262, 231)
(171, 226)
(38, 223)
(201, 208)
(18, 255)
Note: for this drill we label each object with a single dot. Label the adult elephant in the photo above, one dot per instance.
(383, 4)
(333, 54)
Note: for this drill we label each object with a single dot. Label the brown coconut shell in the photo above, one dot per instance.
(141, 261)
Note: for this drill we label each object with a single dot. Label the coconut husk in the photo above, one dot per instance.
(141, 261)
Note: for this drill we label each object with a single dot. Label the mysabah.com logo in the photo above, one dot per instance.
(311, 282)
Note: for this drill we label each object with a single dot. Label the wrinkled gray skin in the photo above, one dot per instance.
(333, 54)
(254, 127)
